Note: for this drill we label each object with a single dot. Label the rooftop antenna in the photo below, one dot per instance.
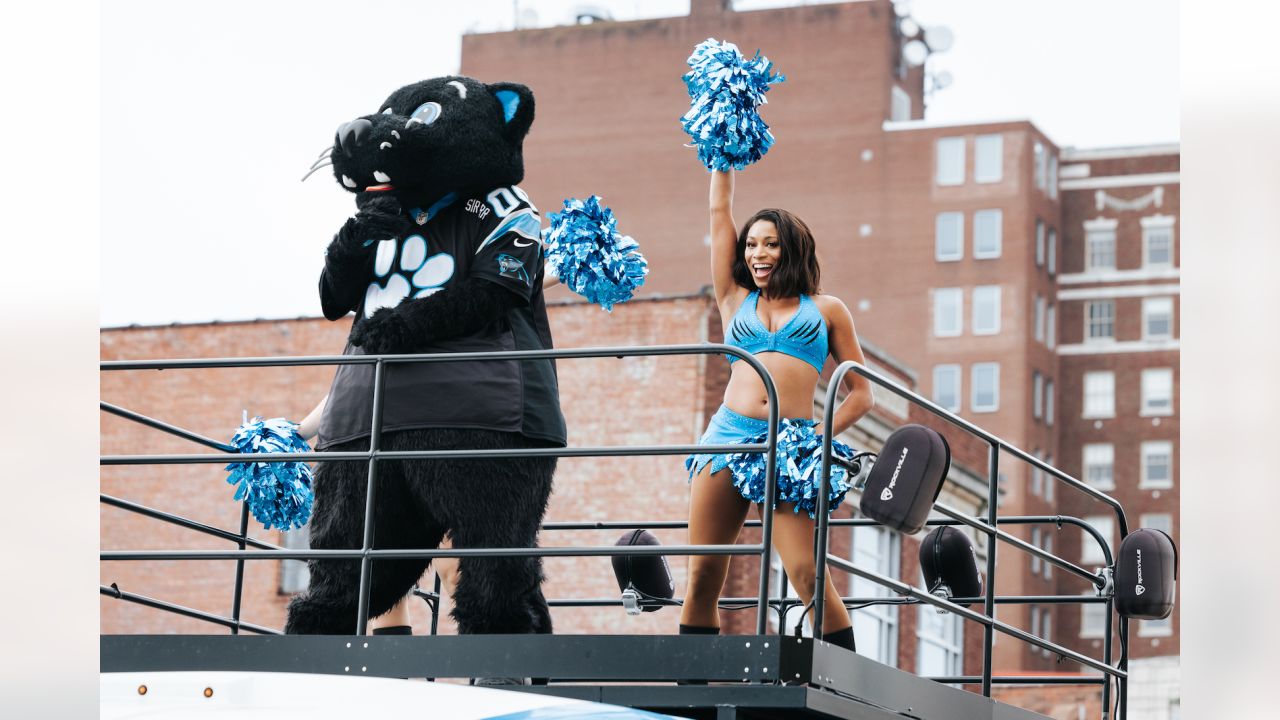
(938, 38)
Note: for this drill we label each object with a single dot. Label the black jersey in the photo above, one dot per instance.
(494, 238)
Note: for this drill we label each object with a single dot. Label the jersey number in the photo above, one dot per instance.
(504, 200)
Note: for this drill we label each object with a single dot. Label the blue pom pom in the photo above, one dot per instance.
(799, 461)
(726, 89)
(278, 494)
(584, 249)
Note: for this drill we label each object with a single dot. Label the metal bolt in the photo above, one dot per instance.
(346, 668)
(208, 692)
(142, 689)
(348, 644)
(363, 668)
(746, 669)
(766, 644)
(748, 644)
(765, 670)
(366, 644)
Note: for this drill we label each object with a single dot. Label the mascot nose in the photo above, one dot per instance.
(351, 135)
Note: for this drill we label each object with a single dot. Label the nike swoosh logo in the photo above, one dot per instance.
(519, 244)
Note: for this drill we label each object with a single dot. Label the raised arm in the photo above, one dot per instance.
(724, 237)
(844, 346)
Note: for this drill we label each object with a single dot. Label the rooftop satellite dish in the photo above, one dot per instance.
(528, 18)
(908, 27)
(939, 38)
(902, 8)
(915, 53)
(587, 14)
(942, 80)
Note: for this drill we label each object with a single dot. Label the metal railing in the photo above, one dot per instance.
(763, 602)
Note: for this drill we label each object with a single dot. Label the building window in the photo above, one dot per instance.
(946, 386)
(1090, 552)
(1157, 465)
(1042, 165)
(986, 387)
(900, 105)
(1037, 395)
(1100, 394)
(986, 234)
(1157, 318)
(1039, 242)
(1053, 176)
(1048, 402)
(1048, 547)
(1037, 475)
(875, 628)
(294, 575)
(1053, 251)
(1157, 391)
(1038, 319)
(988, 158)
(986, 310)
(1156, 628)
(1093, 619)
(948, 312)
(1046, 628)
(1100, 249)
(1049, 481)
(1035, 559)
(940, 652)
(1157, 242)
(1051, 326)
(1157, 521)
(1099, 464)
(950, 161)
(948, 236)
(1100, 320)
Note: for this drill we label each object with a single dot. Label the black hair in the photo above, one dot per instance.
(797, 272)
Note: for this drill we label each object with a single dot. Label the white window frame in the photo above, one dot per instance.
(1037, 475)
(1093, 619)
(1048, 402)
(1157, 224)
(1150, 308)
(1037, 394)
(899, 101)
(1090, 323)
(950, 640)
(986, 295)
(1146, 450)
(1090, 553)
(1053, 251)
(1039, 242)
(1151, 379)
(974, 370)
(938, 225)
(958, 373)
(1097, 411)
(1046, 627)
(1040, 160)
(1038, 318)
(1053, 177)
(1156, 628)
(1049, 481)
(1157, 521)
(957, 295)
(1095, 232)
(1098, 451)
(876, 627)
(992, 218)
(1051, 326)
(1035, 559)
(1047, 568)
(984, 171)
(945, 173)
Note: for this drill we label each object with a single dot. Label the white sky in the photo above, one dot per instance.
(212, 111)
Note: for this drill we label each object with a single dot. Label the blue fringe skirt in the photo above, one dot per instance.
(799, 459)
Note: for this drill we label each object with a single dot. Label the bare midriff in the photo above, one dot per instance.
(793, 378)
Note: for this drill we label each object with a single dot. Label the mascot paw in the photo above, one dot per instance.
(382, 333)
(380, 215)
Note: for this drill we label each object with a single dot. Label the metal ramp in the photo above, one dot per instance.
(747, 676)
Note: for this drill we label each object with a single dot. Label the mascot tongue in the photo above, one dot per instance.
(379, 188)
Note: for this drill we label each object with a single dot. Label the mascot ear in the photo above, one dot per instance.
(517, 108)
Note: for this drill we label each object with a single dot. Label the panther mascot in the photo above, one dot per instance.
(443, 255)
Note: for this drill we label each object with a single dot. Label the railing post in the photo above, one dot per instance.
(239, 591)
(366, 562)
(989, 601)
(824, 479)
(771, 499)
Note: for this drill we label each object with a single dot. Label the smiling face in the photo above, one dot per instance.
(762, 252)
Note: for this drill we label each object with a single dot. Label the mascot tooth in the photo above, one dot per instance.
(444, 258)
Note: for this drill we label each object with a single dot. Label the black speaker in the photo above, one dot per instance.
(950, 564)
(648, 574)
(1146, 576)
(906, 478)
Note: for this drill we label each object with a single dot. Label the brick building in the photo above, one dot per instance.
(1032, 289)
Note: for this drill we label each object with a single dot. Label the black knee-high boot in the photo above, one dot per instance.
(842, 638)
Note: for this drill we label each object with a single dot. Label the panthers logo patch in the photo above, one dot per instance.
(512, 267)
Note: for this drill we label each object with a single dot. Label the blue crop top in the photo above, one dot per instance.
(804, 336)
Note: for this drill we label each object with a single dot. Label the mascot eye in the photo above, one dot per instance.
(425, 114)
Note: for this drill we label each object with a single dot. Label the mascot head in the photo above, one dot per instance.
(448, 134)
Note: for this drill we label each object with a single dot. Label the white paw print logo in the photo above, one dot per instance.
(416, 274)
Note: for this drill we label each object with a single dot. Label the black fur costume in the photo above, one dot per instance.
(440, 153)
